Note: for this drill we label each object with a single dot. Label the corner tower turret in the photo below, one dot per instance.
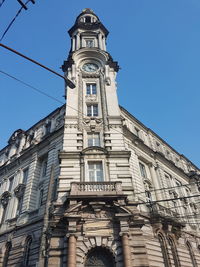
(88, 31)
(93, 139)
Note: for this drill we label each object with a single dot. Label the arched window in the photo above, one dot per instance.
(163, 246)
(99, 257)
(27, 251)
(192, 257)
(7, 254)
(174, 252)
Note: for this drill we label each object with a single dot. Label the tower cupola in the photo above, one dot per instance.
(88, 32)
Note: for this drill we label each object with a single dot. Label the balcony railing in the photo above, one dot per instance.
(96, 188)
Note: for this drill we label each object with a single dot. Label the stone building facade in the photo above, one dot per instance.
(90, 185)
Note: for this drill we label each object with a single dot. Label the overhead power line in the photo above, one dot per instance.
(32, 87)
(36, 89)
(1, 3)
(182, 206)
(12, 21)
(68, 82)
(167, 188)
(164, 200)
(23, 6)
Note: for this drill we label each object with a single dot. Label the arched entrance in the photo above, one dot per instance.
(99, 257)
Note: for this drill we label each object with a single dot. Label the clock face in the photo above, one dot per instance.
(90, 67)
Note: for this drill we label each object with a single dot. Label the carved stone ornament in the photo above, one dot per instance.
(59, 121)
(16, 136)
(92, 121)
(108, 81)
(5, 198)
(19, 190)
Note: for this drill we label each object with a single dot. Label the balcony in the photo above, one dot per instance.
(96, 189)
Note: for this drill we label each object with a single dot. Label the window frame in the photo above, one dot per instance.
(164, 250)
(95, 170)
(143, 170)
(44, 167)
(91, 112)
(91, 88)
(89, 42)
(25, 177)
(94, 141)
(27, 250)
(40, 197)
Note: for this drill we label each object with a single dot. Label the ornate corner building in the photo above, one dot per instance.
(90, 185)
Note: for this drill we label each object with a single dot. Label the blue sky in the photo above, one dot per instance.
(157, 45)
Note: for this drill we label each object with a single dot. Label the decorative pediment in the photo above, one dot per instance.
(5, 198)
(98, 209)
(19, 190)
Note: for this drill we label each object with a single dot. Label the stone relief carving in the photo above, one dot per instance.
(59, 121)
(19, 190)
(108, 81)
(5, 198)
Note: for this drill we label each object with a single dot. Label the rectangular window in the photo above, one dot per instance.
(10, 183)
(95, 171)
(89, 42)
(41, 193)
(142, 170)
(19, 207)
(25, 176)
(44, 168)
(92, 110)
(91, 89)
(93, 139)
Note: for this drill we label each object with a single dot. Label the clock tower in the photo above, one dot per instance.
(92, 121)
(92, 106)
(95, 184)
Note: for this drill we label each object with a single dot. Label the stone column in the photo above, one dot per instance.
(73, 43)
(71, 251)
(126, 250)
(78, 41)
(100, 41)
(103, 43)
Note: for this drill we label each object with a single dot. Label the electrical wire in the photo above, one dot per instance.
(182, 206)
(30, 86)
(12, 21)
(2, 3)
(167, 188)
(164, 200)
(37, 90)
